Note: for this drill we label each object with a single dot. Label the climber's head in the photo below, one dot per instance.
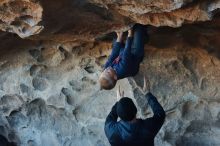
(108, 79)
(126, 109)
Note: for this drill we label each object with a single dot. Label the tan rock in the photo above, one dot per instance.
(20, 17)
(86, 20)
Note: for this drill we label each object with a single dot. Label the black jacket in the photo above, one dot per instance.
(4, 142)
(139, 133)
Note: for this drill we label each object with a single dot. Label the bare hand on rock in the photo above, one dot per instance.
(119, 36)
(146, 87)
(130, 33)
(120, 93)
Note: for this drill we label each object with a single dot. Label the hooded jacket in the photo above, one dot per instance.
(138, 133)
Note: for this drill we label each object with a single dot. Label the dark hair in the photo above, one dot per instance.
(5, 142)
(126, 109)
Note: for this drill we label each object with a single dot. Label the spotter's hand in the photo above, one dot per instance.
(146, 87)
(119, 93)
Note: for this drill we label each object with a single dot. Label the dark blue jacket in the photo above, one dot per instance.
(128, 64)
(139, 133)
(5, 142)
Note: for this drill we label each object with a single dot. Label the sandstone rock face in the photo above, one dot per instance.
(49, 94)
(20, 17)
(49, 91)
(86, 20)
(163, 13)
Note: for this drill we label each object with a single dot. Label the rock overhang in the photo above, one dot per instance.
(86, 20)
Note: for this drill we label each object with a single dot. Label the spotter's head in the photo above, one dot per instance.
(108, 79)
(126, 109)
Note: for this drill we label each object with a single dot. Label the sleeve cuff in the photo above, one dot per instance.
(149, 96)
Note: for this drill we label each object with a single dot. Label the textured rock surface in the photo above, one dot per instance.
(20, 17)
(49, 93)
(163, 13)
(86, 20)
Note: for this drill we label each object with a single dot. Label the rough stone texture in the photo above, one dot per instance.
(49, 94)
(86, 20)
(20, 17)
(163, 13)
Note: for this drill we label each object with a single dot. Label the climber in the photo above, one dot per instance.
(130, 131)
(125, 59)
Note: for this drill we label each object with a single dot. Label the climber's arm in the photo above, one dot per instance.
(117, 45)
(127, 52)
(114, 54)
